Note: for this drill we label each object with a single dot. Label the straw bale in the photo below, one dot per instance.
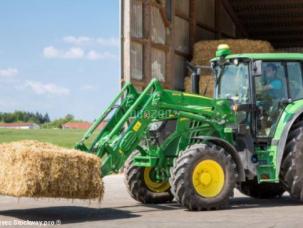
(205, 50)
(37, 169)
(206, 81)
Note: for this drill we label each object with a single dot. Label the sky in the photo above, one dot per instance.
(59, 56)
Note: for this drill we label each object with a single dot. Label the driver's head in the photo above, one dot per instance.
(270, 70)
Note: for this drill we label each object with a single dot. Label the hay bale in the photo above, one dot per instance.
(205, 50)
(206, 85)
(36, 169)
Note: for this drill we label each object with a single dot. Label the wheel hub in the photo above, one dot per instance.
(152, 184)
(208, 178)
(205, 179)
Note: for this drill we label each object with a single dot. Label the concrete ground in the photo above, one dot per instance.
(118, 209)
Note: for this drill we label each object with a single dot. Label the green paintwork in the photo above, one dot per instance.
(131, 113)
(275, 151)
(128, 126)
(265, 56)
(269, 159)
(223, 52)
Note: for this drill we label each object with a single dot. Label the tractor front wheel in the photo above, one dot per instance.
(203, 178)
(141, 185)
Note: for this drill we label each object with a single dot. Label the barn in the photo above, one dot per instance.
(158, 36)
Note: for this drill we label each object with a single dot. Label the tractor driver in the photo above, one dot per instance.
(272, 94)
(273, 85)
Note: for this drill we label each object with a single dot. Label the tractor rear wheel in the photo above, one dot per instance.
(261, 191)
(203, 178)
(292, 164)
(142, 187)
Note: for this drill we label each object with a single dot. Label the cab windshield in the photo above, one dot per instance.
(232, 82)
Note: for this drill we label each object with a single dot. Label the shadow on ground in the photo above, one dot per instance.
(74, 214)
(246, 202)
(235, 203)
(69, 214)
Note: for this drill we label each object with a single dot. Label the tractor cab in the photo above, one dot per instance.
(259, 87)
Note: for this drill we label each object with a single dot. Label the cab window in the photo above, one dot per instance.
(233, 83)
(294, 70)
(271, 88)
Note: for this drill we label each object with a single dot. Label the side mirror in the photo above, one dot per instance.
(257, 68)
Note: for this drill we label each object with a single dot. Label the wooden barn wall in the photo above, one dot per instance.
(158, 37)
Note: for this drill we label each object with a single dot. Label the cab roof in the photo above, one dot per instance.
(265, 56)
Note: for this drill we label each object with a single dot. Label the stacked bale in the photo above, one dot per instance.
(36, 169)
(206, 84)
(204, 51)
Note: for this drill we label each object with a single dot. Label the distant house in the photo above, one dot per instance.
(80, 125)
(19, 125)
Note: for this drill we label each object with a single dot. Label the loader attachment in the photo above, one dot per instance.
(128, 116)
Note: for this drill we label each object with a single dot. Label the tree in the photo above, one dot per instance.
(69, 117)
(20, 116)
(46, 118)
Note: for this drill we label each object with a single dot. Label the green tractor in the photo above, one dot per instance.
(195, 149)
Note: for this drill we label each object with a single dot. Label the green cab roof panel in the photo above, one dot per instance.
(265, 56)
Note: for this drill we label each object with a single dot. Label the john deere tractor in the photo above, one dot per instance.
(195, 149)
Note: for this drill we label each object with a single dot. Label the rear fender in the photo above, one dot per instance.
(290, 114)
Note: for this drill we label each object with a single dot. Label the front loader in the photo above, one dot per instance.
(197, 149)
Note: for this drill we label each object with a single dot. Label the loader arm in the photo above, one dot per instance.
(128, 122)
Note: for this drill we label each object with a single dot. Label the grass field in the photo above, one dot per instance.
(65, 138)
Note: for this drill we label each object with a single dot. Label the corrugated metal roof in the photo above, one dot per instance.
(278, 21)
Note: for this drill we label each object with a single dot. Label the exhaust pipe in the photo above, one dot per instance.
(195, 76)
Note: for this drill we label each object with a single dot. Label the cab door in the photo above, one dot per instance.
(271, 89)
(295, 80)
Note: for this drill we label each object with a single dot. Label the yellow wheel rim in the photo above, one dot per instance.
(208, 178)
(152, 185)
